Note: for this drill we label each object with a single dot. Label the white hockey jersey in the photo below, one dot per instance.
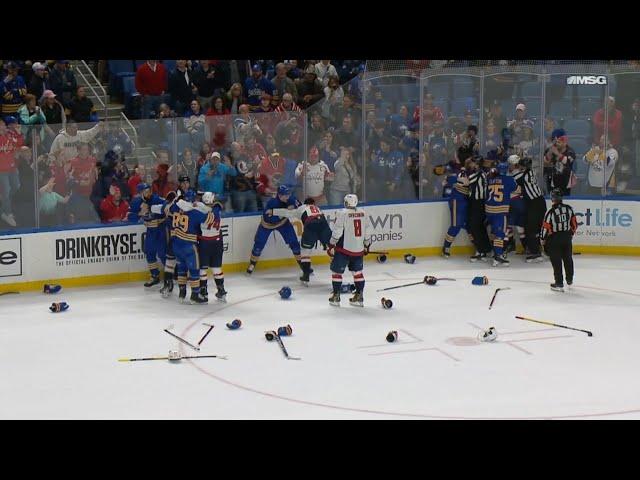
(305, 213)
(350, 230)
(314, 176)
(211, 229)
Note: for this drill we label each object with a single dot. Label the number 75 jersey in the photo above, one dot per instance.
(499, 190)
(349, 231)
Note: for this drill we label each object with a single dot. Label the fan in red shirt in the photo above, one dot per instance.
(161, 185)
(136, 178)
(431, 113)
(7, 149)
(270, 173)
(113, 208)
(83, 171)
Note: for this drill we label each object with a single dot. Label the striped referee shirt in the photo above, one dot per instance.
(559, 218)
(478, 185)
(528, 184)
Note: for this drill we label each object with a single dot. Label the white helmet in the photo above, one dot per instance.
(351, 200)
(488, 335)
(513, 159)
(208, 198)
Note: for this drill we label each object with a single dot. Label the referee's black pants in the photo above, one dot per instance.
(536, 209)
(477, 228)
(559, 248)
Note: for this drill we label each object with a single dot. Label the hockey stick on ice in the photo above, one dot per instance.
(424, 280)
(205, 335)
(496, 293)
(590, 334)
(284, 350)
(182, 340)
(7, 293)
(221, 357)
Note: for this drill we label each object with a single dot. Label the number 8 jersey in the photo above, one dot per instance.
(349, 231)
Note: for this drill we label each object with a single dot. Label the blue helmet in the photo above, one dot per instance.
(284, 190)
(142, 186)
(503, 168)
(285, 292)
(189, 196)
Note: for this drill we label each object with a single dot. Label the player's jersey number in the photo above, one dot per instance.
(357, 227)
(495, 192)
(181, 221)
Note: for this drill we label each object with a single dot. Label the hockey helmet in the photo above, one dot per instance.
(184, 178)
(208, 198)
(502, 168)
(142, 187)
(513, 159)
(189, 196)
(350, 200)
(526, 162)
(284, 190)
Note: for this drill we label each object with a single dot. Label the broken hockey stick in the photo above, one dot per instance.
(182, 340)
(284, 350)
(424, 280)
(590, 334)
(221, 357)
(376, 252)
(496, 293)
(7, 293)
(205, 335)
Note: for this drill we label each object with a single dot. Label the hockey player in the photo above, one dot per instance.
(269, 223)
(186, 224)
(184, 184)
(500, 186)
(210, 246)
(517, 212)
(458, 202)
(347, 246)
(316, 228)
(155, 243)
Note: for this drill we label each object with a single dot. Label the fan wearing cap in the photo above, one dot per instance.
(558, 163)
(113, 208)
(39, 80)
(12, 90)
(63, 81)
(213, 174)
(520, 120)
(271, 223)
(313, 174)
(309, 88)
(155, 244)
(255, 86)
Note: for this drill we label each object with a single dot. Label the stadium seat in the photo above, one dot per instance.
(579, 145)
(463, 87)
(139, 62)
(508, 107)
(586, 108)
(533, 107)
(118, 69)
(577, 127)
(594, 92)
(461, 105)
(561, 109)
(169, 64)
(531, 90)
(438, 89)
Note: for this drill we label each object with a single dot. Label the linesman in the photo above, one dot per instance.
(558, 228)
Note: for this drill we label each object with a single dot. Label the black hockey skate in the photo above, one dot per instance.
(500, 260)
(557, 287)
(478, 256)
(334, 300)
(205, 293)
(154, 281)
(251, 268)
(534, 258)
(221, 294)
(183, 293)
(357, 300)
(197, 299)
(166, 290)
(305, 278)
(446, 253)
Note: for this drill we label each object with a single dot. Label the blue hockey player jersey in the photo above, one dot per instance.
(186, 225)
(499, 190)
(273, 221)
(151, 220)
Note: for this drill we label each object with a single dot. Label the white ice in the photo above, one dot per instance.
(64, 365)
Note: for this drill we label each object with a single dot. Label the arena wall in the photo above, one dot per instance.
(102, 254)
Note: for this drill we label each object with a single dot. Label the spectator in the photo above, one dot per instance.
(357, 85)
(387, 171)
(60, 170)
(309, 88)
(114, 138)
(203, 156)
(558, 163)
(614, 130)
(293, 72)
(213, 174)
(245, 124)
(401, 122)
(288, 139)
(549, 127)
(161, 185)
(270, 174)
(255, 86)
(39, 80)
(265, 104)
(324, 71)
(69, 138)
(333, 97)
(220, 137)
(53, 113)
(243, 193)
(187, 165)
(217, 108)
(495, 114)
(491, 136)
(527, 146)
(234, 98)
(209, 81)
(346, 178)
(287, 107)
(282, 84)
(51, 205)
(269, 143)
(63, 81)
(378, 131)
(12, 90)
(347, 108)
(315, 131)
(114, 208)
(81, 108)
(195, 122)
(602, 166)
(253, 149)
(519, 122)
(348, 136)
(137, 177)
(9, 179)
(24, 204)
(81, 177)
(431, 113)
(151, 84)
(181, 87)
(314, 173)
(410, 142)
(440, 145)
(30, 115)
(327, 151)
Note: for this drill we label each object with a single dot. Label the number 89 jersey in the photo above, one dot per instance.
(499, 190)
(349, 231)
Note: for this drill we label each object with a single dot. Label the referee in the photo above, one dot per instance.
(558, 227)
(535, 207)
(476, 216)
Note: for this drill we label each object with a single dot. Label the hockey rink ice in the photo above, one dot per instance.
(64, 365)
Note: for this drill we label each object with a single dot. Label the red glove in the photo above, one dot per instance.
(331, 250)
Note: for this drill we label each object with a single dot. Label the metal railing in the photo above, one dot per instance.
(104, 102)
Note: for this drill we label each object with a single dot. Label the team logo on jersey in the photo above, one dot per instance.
(10, 257)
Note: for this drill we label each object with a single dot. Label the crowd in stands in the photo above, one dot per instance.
(299, 123)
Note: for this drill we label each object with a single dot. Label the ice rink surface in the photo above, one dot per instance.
(64, 365)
